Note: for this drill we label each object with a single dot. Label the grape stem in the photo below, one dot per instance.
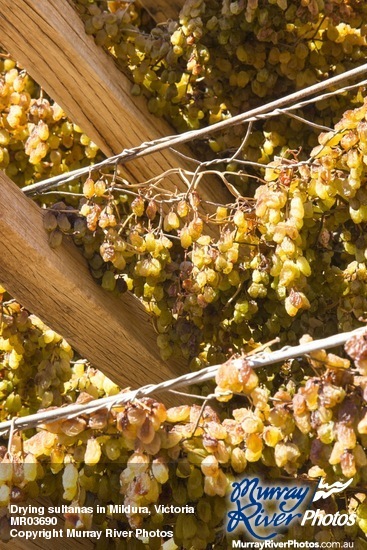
(11, 435)
(208, 398)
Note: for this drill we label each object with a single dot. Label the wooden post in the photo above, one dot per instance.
(114, 334)
(49, 40)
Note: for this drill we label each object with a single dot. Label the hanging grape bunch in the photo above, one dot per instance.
(289, 260)
(222, 58)
(36, 138)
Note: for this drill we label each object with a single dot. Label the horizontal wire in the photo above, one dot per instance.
(269, 109)
(255, 361)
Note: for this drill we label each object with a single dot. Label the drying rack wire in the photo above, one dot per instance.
(273, 108)
(261, 359)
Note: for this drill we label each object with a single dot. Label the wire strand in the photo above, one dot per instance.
(274, 108)
(255, 361)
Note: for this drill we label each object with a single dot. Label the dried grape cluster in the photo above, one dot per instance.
(141, 454)
(37, 367)
(35, 363)
(37, 140)
(288, 261)
(222, 58)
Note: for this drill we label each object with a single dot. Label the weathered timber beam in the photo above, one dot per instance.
(161, 10)
(49, 40)
(114, 334)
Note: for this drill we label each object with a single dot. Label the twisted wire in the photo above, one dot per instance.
(261, 359)
(274, 108)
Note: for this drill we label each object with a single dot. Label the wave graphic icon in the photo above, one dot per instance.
(324, 490)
